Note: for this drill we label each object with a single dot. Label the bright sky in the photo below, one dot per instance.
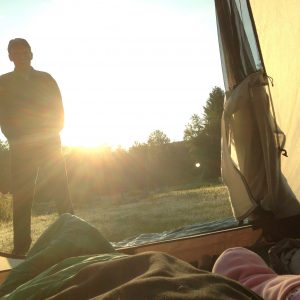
(125, 67)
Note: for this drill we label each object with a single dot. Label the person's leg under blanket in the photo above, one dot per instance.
(251, 271)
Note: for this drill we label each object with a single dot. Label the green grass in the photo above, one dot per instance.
(5, 207)
(120, 217)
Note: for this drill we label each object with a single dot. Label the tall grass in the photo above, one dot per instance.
(121, 216)
(5, 208)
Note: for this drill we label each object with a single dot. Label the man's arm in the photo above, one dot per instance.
(56, 109)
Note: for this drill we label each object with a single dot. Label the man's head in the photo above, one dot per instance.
(20, 54)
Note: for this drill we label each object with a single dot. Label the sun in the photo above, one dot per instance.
(97, 124)
(119, 81)
(85, 129)
(79, 139)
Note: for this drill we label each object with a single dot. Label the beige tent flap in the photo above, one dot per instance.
(250, 156)
(278, 27)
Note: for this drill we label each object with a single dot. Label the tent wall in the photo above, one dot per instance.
(251, 136)
(278, 27)
(239, 53)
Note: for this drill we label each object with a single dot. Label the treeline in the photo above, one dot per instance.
(156, 164)
(93, 173)
(142, 168)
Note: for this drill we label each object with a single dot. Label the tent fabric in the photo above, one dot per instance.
(279, 34)
(251, 160)
(252, 141)
(238, 48)
(237, 138)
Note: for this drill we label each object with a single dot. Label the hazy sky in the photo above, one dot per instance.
(125, 67)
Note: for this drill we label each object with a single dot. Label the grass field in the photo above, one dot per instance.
(120, 217)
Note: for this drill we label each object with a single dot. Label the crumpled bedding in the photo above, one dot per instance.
(60, 273)
(285, 256)
(68, 236)
(150, 275)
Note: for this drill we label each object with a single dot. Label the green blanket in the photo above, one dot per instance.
(68, 236)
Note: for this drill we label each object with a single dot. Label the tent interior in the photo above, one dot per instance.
(260, 159)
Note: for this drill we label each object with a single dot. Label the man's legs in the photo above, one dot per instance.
(56, 185)
(23, 173)
(56, 182)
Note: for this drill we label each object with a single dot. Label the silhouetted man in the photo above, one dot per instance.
(31, 117)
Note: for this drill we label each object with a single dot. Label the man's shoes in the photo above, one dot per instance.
(21, 249)
(19, 253)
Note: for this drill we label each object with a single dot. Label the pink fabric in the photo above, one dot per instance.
(294, 294)
(251, 271)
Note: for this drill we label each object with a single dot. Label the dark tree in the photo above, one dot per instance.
(194, 128)
(158, 137)
(204, 135)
